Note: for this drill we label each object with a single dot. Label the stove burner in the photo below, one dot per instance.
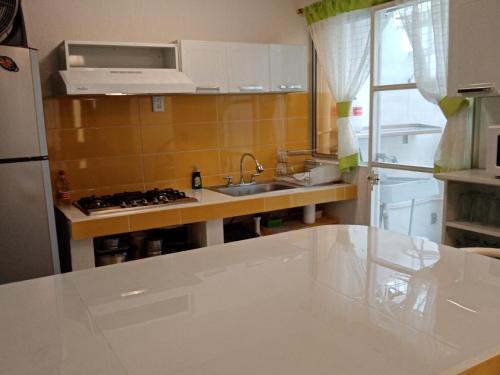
(132, 200)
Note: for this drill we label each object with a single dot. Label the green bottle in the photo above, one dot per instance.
(196, 178)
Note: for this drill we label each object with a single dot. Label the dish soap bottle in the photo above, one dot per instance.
(63, 192)
(196, 178)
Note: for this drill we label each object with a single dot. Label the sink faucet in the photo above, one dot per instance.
(258, 168)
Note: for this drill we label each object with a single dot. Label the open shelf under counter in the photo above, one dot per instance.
(470, 176)
(289, 225)
(473, 227)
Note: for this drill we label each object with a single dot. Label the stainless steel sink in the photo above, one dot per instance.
(243, 190)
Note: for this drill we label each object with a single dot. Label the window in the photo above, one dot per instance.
(397, 125)
(406, 127)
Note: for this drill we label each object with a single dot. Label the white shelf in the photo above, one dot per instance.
(476, 228)
(403, 130)
(471, 176)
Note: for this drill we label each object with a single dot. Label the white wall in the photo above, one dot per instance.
(49, 22)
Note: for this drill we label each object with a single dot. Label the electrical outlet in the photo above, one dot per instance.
(434, 217)
(158, 104)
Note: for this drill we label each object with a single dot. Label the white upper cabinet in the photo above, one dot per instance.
(474, 57)
(288, 64)
(222, 67)
(206, 64)
(248, 67)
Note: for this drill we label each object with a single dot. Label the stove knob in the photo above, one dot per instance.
(134, 203)
(155, 200)
(144, 202)
(123, 204)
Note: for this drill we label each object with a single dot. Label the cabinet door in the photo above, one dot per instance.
(205, 63)
(248, 67)
(288, 67)
(474, 49)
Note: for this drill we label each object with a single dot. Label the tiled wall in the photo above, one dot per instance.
(112, 144)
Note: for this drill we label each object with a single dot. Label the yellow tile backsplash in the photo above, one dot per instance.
(297, 130)
(237, 134)
(101, 111)
(113, 144)
(237, 107)
(95, 173)
(179, 137)
(94, 142)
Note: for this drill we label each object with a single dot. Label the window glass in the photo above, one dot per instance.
(393, 52)
(410, 203)
(407, 128)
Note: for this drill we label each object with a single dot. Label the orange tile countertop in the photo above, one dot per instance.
(211, 205)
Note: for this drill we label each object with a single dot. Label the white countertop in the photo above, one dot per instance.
(325, 300)
(204, 196)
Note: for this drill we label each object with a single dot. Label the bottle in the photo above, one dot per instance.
(196, 178)
(62, 186)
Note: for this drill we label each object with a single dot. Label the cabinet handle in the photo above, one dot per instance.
(295, 87)
(208, 88)
(476, 88)
(251, 88)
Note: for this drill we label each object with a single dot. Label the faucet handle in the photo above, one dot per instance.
(229, 180)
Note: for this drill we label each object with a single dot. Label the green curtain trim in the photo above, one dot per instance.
(329, 8)
(451, 106)
(349, 162)
(343, 109)
(439, 169)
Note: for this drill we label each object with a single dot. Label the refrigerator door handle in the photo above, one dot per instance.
(23, 160)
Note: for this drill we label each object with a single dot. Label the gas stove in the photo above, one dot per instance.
(135, 200)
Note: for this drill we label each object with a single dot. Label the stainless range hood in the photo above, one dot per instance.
(121, 68)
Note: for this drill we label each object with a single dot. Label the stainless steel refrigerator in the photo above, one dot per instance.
(28, 242)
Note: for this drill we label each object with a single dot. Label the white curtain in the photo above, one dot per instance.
(426, 23)
(343, 46)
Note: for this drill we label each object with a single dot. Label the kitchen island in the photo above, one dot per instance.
(325, 300)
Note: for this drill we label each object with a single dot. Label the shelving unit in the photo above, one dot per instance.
(473, 227)
(460, 182)
(470, 176)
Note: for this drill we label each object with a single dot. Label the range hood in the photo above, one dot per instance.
(121, 68)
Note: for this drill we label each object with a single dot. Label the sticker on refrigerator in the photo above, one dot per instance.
(8, 64)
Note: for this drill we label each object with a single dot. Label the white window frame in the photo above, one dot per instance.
(374, 89)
